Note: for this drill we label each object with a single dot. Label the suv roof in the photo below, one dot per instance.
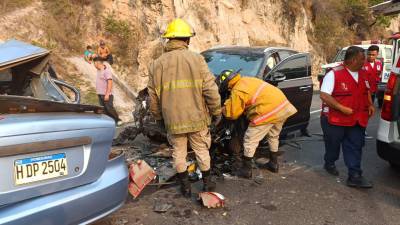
(255, 49)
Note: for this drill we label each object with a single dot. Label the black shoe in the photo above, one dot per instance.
(273, 165)
(358, 182)
(208, 184)
(246, 170)
(331, 170)
(183, 179)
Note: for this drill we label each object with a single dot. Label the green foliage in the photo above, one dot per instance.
(125, 36)
(338, 23)
(118, 28)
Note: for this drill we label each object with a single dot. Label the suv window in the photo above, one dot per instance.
(388, 53)
(284, 54)
(294, 68)
(218, 61)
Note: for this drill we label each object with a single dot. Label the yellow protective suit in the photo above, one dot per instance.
(262, 103)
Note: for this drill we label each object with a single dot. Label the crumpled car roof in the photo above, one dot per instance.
(16, 52)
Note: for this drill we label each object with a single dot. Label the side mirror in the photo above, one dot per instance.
(74, 90)
(278, 77)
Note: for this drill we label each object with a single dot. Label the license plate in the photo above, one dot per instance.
(40, 168)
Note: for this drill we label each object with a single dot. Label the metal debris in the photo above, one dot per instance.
(140, 174)
(212, 199)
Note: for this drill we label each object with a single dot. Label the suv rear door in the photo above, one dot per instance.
(293, 76)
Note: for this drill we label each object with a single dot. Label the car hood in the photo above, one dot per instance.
(331, 65)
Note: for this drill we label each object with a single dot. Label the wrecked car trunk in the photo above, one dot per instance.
(25, 71)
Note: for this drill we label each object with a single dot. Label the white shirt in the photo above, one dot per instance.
(372, 64)
(329, 81)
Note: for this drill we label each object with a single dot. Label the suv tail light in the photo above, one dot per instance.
(387, 113)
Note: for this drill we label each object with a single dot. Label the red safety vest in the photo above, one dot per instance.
(374, 74)
(352, 94)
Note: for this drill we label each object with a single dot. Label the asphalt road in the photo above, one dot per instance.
(302, 193)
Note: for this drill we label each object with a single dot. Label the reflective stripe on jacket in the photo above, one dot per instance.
(351, 94)
(261, 102)
(182, 90)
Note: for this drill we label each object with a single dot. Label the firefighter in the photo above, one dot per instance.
(345, 91)
(266, 108)
(184, 98)
(374, 69)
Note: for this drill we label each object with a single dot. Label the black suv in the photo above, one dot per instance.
(286, 68)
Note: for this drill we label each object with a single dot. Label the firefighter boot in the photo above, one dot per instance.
(273, 165)
(246, 170)
(185, 184)
(208, 184)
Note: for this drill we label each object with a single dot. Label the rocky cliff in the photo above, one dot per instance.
(216, 22)
(133, 29)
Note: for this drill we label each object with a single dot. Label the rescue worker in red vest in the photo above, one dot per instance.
(266, 108)
(345, 90)
(184, 98)
(374, 69)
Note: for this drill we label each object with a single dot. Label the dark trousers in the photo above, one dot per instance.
(109, 58)
(109, 107)
(373, 97)
(351, 139)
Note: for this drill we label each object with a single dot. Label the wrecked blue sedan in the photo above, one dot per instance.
(56, 165)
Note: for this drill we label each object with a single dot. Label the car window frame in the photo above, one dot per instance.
(308, 70)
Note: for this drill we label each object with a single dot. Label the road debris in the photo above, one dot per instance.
(140, 174)
(162, 208)
(227, 176)
(212, 199)
(163, 151)
(165, 173)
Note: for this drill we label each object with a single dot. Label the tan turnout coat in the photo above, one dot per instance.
(182, 90)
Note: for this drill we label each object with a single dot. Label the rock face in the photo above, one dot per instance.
(216, 22)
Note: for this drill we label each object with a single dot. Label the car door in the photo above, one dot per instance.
(293, 76)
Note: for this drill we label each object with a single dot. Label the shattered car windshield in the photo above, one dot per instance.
(250, 63)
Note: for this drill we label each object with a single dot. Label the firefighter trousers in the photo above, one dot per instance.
(254, 135)
(199, 141)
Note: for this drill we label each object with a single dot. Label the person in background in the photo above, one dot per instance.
(348, 106)
(89, 55)
(104, 53)
(104, 84)
(374, 69)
